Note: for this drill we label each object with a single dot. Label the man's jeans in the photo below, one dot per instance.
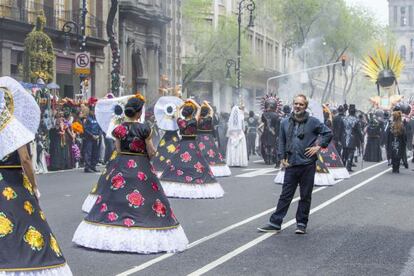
(303, 175)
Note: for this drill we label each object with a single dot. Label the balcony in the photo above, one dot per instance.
(54, 18)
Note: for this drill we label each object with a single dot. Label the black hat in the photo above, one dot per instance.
(341, 109)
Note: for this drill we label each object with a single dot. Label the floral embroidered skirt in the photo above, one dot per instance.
(131, 212)
(26, 242)
(212, 154)
(189, 175)
(165, 151)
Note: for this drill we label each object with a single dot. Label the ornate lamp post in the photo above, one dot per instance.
(250, 6)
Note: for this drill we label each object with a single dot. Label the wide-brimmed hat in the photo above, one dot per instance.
(19, 116)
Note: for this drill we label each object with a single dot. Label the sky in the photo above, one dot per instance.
(378, 7)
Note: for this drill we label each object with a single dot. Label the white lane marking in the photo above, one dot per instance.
(257, 172)
(225, 230)
(263, 237)
(259, 161)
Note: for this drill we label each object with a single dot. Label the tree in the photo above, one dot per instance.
(38, 56)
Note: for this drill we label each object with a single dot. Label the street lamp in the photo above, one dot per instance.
(80, 31)
(250, 6)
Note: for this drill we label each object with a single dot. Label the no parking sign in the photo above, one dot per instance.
(83, 63)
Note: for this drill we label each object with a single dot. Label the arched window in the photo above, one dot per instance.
(403, 52)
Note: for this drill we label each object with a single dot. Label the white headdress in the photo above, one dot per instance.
(236, 119)
(19, 116)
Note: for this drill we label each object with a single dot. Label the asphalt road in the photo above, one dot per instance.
(360, 226)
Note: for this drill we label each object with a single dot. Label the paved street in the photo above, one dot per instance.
(360, 226)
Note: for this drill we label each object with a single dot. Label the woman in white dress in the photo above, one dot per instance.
(236, 154)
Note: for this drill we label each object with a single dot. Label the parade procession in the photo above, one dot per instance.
(206, 137)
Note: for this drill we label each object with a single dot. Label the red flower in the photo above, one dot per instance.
(98, 200)
(211, 153)
(188, 178)
(135, 199)
(185, 157)
(120, 132)
(137, 145)
(201, 146)
(142, 176)
(199, 181)
(112, 216)
(199, 167)
(179, 172)
(181, 123)
(220, 157)
(103, 208)
(131, 164)
(155, 186)
(191, 146)
(129, 222)
(118, 182)
(159, 208)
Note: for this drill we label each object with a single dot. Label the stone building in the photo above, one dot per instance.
(16, 21)
(149, 34)
(401, 22)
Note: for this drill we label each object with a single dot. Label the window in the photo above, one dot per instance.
(403, 52)
(395, 15)
(403, 17)
(269, 55)
(32, 7)
(6, 8)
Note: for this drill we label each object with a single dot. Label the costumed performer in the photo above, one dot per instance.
(189, 175)
(236, 153)
(132, 213)
(28, 246)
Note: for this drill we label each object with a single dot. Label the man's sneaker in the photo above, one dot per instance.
(300, 230)
(269, 229)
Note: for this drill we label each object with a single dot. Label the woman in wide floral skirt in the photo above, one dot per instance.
(189, 175)
(207, 145)
(165, 151)
(27, 245)
(132, 213)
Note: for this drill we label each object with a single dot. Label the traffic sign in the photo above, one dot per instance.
(83, 63)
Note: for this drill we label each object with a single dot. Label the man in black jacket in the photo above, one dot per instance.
(337, 128)
(298, 151)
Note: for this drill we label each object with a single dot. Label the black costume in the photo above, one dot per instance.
(396, 146)
(251, 123)
(269, 137)
(351, 138)
(373, 149)
(338, 131)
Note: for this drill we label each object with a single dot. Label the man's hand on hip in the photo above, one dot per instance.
(309, 152)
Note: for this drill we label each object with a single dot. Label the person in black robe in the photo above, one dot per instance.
(396, 141)
(271, 123)
(251, 124)
(337, 128)
(373, 148)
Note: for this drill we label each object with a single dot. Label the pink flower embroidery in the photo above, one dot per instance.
(153, 169)
(185, 157)
(131, 164)
(201, 146)
(120, 132)
(206, 138)
(199, 181)
(211, 153)
(142, 176)
(199, 167)
(129, 222)
(188, 178)
(98, 200)
(103, 208)
(137, 145)
(191, 146)
(220, 156)
(155, 186)
(182, 123)
(179, 172)
(135, 199)
(159, 208)
(118, 182)
(112, 216)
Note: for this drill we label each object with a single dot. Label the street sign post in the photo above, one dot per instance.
(83, 63)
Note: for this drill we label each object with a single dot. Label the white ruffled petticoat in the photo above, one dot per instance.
(89, 203)
(220, 170)
(236, 153)
(137, 240)
(58, 271)
(339, 173)
(321, 179)
(184, 190)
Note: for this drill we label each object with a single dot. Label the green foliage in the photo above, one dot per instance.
(38, 54)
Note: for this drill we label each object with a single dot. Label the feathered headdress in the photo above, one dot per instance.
(271, 102)
(383, 68)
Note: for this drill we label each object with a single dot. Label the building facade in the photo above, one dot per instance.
(149, 35)
(401, 22)
(17, 18)
(268, 52)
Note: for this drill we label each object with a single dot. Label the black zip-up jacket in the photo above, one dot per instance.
(313, 128)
